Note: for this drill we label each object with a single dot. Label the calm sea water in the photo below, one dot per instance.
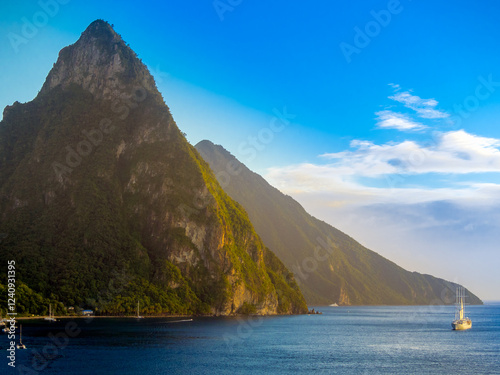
(343, 340)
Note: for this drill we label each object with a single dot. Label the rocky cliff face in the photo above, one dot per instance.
(104, 202)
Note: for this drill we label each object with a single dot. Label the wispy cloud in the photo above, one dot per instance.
(392, 120)
(395, 86)
(425, 108)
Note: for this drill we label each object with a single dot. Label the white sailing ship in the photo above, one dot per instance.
(461, 322)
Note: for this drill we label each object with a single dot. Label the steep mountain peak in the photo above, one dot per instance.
(102, 63)
(117, 204)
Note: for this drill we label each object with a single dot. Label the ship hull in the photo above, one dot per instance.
(461, 325)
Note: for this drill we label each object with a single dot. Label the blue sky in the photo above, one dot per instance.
(380, 117)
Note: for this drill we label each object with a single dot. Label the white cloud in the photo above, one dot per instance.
(392, 120)
(425, 108)
(456, 152)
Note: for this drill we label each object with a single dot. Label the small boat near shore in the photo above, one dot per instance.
(50, 318)
(21, 345)
(138, 316)
(3, 326)
(180, 321)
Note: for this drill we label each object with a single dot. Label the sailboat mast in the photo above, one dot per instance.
(461, 308)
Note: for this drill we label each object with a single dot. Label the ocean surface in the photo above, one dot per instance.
(343, 340)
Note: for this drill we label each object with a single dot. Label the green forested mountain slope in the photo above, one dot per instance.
(329, 266)
(104, 202)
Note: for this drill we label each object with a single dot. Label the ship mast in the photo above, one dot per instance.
(461, 308)
(459, 312)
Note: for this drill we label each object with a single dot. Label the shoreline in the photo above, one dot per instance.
(107, 316)
(41, 317)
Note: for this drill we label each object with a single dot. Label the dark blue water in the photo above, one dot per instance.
(344, 340)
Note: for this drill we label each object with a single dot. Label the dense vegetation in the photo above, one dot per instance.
(104, 203)
(329, 266)
(29, 302)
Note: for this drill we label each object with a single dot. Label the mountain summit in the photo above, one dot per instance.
(104, 202)
(101, 63)
(330, 266)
